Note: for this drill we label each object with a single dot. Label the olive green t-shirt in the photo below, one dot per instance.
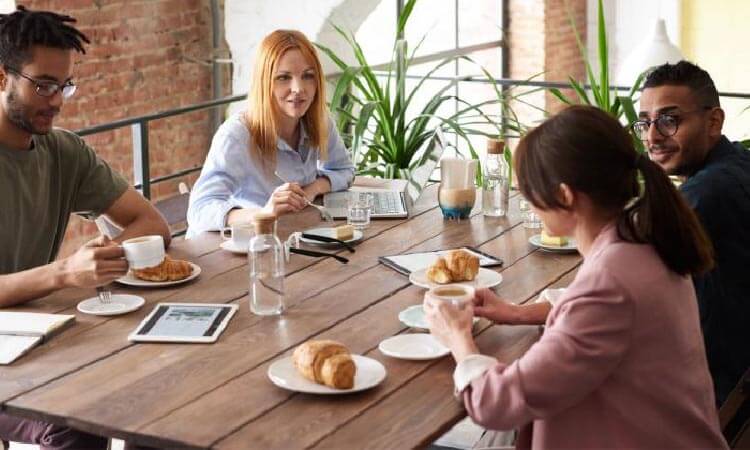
(39, 188)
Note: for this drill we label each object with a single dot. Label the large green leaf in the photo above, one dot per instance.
(375, 115)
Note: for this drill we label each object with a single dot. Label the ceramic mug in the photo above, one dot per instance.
(456, 294)
(144, 251)
(239, 234)
(456, 203)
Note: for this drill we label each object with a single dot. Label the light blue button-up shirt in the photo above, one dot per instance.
(231, 178)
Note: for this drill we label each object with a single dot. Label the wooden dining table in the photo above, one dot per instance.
(90, 377)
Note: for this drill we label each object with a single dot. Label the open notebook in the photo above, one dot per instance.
(20, 331)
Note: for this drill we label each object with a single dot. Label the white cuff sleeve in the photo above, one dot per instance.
(551, 295)
(472, 367)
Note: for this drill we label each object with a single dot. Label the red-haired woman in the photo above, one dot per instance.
(285, 134)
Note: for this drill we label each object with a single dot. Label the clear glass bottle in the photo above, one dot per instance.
(266, 261)
(495, 186)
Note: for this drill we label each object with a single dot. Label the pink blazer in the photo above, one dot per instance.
(621, 363)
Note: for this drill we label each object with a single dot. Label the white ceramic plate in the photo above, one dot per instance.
(413, 317)
(328, 232)
(485, 278)
(131, 280)
(536, 241)
(370, 373)
(230, 246)
(120, 304)
(417, 346)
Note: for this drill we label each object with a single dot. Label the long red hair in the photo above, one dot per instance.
(262, 116)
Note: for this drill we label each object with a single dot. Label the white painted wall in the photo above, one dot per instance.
(629, 23)
(248, 22)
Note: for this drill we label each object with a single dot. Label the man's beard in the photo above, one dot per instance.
(19, 114)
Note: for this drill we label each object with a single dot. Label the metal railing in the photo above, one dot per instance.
(141, 152)
(139, 125)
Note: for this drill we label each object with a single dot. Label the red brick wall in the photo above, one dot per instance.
(561, 52)
(526, 56)
(136, 65)
(542, 43)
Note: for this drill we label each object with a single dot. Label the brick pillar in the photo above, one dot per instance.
(141, 60)
(541, 42)
(561, 53)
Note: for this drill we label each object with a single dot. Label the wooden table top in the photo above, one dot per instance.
(218, 395)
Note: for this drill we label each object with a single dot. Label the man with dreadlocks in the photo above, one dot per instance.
(45, 174)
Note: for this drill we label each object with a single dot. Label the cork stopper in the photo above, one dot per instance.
(264, 222)
(495, 146)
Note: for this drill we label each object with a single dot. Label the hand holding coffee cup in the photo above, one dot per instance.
(449, 315)
(97, 263)
(144, 251)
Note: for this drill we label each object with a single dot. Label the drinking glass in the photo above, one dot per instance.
(530, 218)
(359, 207)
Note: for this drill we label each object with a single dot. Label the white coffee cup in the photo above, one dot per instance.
(144, 251)
(456, 294)
(239, 233)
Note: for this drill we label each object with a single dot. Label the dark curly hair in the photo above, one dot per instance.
(23, 29)
(685, 73)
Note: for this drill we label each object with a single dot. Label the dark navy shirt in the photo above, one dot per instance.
(719, 192)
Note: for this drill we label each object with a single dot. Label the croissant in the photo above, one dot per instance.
(169, 270)
(338, 371)
(438, 272)
(325, 362)
(463, 265)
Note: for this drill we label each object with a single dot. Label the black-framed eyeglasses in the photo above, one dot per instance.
(666, 124)
(46, 88)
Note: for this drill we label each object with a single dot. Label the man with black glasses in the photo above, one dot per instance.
(45, 174)
(681, 121)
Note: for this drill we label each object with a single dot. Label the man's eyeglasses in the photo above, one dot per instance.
(666, 124)
(48, 88)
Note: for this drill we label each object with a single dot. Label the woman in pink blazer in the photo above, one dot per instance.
(621, 362)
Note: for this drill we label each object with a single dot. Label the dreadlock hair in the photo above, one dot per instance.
(24, 29)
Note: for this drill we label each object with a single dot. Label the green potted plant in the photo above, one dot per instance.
(371, 108)
(602, 95)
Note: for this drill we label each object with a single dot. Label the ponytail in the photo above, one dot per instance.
(590, 151)
(662, 217)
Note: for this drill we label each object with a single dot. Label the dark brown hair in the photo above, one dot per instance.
(587, 149)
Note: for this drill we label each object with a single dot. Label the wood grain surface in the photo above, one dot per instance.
(219, 396)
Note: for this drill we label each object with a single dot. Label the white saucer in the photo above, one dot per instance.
(230, 246)
(417, 346)
(120, 304)
(536, 241)
(413, 317)
(131, 280)
(328, 232)
(485, 278)
(282, 373)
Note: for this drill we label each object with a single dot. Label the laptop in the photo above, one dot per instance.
(394, 204)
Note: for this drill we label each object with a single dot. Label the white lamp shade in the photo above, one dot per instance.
(654, 51)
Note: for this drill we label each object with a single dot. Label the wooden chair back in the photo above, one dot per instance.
(734, 414)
